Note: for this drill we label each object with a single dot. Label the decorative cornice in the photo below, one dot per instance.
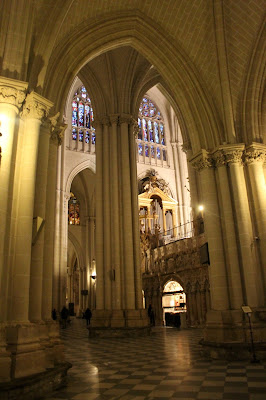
(114, 119)
(135, 126)
(233, 153)
(36, 106)
(202, 160)
(255, 153)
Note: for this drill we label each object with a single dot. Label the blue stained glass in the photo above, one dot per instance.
(144, 129)
(80, 136)
(152, 112)
(81, 114)
(87, 116)
(150, 130)
(74, 113)
(140, 150)
(74, 134)
(156, 132)
(92, 117)
(164, 155)
(152, 152)
(93, 137)
(139, 132)
(162, 134)
(146, 150)
(145, 100)
(87, 137)
(158, 153)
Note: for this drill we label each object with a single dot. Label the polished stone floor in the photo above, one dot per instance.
(165, 365)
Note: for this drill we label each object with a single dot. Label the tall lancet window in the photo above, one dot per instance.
(73, 210)
(82, 120)
(151, 134)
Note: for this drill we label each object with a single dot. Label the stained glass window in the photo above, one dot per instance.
(73, 210)
(151, 129)
(74, 134)
(82, 118)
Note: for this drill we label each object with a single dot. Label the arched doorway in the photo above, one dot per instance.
(174, 304)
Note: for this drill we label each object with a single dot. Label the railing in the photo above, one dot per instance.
(179, 232)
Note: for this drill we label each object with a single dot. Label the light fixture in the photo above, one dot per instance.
(201, 208)
(93, 275)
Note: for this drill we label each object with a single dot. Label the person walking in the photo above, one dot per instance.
(64, 315)
(88, 315)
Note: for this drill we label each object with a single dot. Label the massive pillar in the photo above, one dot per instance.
(12, 95)
(118, 282)
(233, 217)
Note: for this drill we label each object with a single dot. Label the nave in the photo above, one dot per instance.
(165, 365)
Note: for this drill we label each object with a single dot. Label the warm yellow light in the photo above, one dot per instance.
(201, 208)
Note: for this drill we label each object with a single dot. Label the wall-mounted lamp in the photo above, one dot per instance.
(201, 208)
(93, 275)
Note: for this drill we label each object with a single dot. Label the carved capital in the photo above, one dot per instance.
(125, 119)
(202, 161)
(219, 158)
(57, 134)
(255, 153)
(114, 119)
(234, 156)
(36, 107)
(135, 126)
(12, 95)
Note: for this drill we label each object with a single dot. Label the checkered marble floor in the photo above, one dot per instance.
(165, 365)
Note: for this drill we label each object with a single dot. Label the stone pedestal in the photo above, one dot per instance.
(119, 323)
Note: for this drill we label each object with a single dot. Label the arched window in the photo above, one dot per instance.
(82, 120)
(73, 210)
(151, 134)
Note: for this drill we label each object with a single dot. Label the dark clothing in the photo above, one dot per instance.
(151, 315)
(88, 316)
(64, 314)
(54, 316)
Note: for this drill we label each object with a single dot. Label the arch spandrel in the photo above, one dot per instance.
(176, 69)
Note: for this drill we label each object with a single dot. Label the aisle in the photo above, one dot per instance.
(165, 365)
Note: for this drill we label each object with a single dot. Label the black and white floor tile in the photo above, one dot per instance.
(165, 365)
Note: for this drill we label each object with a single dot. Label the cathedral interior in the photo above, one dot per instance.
(133, 183)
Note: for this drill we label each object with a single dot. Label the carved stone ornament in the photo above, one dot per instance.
(135, 127)
(12, 96)
(57, 134)
(125, 119)
(254, 155)
(219, 158)
(202, 161)
(36, 106)
(234, 156)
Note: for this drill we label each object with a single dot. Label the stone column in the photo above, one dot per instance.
(36, 274)
(179, 191)
(231, 251)
(253, 291)
(49, 234)
(118, 283)
(212, 221)
(255, 156)
(35, 109)
(12, 95)
(27, 358)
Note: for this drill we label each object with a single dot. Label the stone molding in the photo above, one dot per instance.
(202, 160)
(57, 134)
(12, 92)
(255, 153)
(36, 107)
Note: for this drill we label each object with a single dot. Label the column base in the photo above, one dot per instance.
(36, 386)
(227, 334)
(34, 347)
(5, 356)
(119, 323)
